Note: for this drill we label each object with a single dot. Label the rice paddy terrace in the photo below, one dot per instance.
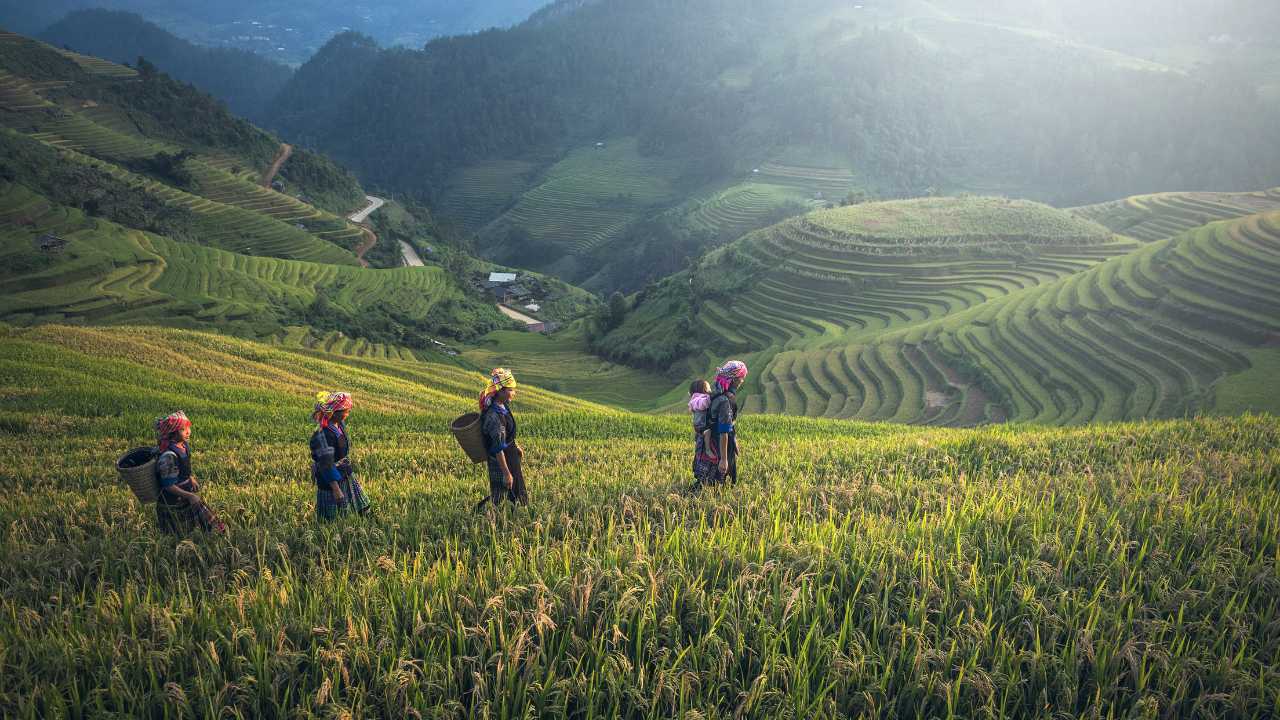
(109, 274)
(237, 214)
(588, 199)
(742, 208)
(1163, 215)
(858, 570)
(1158, 332)
(871, 268)
(959, 312)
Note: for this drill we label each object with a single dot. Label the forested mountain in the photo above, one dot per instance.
(247, 82)
(904, 99)
(286, 30)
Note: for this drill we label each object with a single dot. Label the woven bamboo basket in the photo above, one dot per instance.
(467, 430)
(138, 470)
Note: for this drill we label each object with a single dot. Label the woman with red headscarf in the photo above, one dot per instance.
(337, 489)
(179, 509)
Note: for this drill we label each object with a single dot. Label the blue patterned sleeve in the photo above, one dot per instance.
(167, 469)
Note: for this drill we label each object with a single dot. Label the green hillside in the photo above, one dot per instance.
(165, 140)
(1155, 333)
(947, 311)
(869, 268)
(580, 205)
(738, 112)
(116, 207)
(109, 274)
(858, 570)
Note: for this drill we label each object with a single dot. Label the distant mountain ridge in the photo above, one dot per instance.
(247, 82)
(898, 100)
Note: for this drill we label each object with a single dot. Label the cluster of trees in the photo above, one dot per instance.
(93, 191)
(321, 182)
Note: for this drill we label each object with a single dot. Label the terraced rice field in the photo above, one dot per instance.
(856, 570)
(238, 214)
(820, 183)
(1147, 334)
(91, 65)
(1155, 217)
(857, 272)
(589, 198)
(110, 274)
(743, 208)
(481, 192)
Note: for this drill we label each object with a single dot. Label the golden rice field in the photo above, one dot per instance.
(859, 570)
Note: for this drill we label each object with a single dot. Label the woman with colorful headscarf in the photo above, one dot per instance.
(506, 479)
(337, 489)
(722, 418)
(179, 509)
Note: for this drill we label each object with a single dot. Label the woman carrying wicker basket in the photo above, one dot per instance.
(178, 508)
(506, 477)
(338, 491)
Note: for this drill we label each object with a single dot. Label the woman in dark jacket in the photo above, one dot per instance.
(179, 509)
(337, 489)
(506, 479)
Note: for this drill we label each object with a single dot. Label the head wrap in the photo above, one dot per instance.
(732, 370)
(170, 426)
(329, 404)
(498, 379)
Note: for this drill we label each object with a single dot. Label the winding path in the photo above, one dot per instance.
(282, 156)
(363, 214)
(411, 258)
(359, 217)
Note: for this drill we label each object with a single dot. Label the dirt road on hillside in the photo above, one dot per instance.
(411, 258)
(282, 156)
(359, 217)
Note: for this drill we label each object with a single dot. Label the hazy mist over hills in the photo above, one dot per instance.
(286, 30)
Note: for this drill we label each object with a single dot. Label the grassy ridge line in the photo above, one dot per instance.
(859, 570)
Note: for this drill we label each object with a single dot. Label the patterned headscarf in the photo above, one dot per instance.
(732, 370)
(329, 404)
(170, 426)
(498, 379)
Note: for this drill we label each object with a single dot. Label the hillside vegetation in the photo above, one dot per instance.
(971, 311)
(727, 104)
(245, 81)
(113, 209)
(858, 570)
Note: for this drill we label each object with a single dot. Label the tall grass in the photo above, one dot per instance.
(858, 570)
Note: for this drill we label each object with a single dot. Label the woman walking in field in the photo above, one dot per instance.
(338, 491)
(179, 509)
(506, 478)
(722, 419)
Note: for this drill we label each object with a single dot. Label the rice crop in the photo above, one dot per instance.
(858, 570)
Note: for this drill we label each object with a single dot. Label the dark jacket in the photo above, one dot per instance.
(499, 428)
(722, 418)
(330, 447)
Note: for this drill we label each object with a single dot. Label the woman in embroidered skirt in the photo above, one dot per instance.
(506, 476)
(179, 509)
(337, 489)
